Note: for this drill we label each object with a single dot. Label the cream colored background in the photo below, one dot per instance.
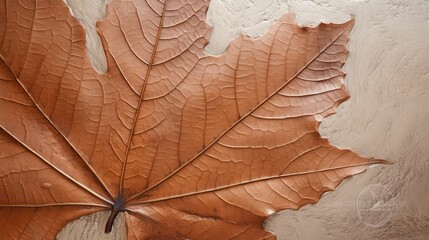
(387, 116)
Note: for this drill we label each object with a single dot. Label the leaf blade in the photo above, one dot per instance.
(285, 24)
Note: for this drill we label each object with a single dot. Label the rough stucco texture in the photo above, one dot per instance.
(387, 116)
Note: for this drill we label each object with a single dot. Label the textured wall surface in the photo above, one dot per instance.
(386, 117)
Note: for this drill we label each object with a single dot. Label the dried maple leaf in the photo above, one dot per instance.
(186, 144)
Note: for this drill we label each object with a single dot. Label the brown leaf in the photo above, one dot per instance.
(188, 145)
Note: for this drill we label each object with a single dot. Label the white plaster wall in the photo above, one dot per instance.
(386, 117)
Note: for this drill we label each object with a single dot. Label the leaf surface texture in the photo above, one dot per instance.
(187, 144)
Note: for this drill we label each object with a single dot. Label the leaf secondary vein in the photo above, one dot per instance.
(136, 116)
(66, 204)
(257, 180)
(81, 185)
